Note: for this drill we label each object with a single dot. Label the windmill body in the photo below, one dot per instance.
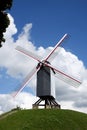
(45, 83)
(45, 88)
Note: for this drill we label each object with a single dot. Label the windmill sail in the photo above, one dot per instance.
(26, 81)
(28, 53)
(57, 45)
(64, 77)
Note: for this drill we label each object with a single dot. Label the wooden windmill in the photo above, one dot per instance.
(45, 84)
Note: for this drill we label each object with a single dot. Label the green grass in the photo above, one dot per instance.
(49, 119)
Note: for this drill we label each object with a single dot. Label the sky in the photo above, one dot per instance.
(38, 26)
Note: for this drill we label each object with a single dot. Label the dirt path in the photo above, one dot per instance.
(7, 114)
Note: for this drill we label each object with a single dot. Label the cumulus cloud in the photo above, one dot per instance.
(7, 102)
(18, 66)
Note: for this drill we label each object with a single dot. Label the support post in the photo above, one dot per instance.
(49, 103)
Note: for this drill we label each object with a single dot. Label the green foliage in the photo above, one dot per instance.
(4, 20)
(44, 120)
(5, 4)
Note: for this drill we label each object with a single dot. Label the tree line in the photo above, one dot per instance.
(4, 19)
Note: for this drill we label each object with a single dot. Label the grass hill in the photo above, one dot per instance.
(49, 119)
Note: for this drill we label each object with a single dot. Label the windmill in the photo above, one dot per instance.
(45, 71)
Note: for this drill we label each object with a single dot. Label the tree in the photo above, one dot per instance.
(4, 20)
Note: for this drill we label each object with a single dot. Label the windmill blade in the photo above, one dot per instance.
(26, 80)
(28, 53)
(57, 45)
(64, 77)
(51, 58)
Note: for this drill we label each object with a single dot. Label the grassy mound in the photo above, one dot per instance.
(44, 120)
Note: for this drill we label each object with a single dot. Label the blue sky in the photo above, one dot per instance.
(47, 21)
(53, 18)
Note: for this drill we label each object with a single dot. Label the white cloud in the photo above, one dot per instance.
(10, 31)
(19, 65)
(23, 100)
